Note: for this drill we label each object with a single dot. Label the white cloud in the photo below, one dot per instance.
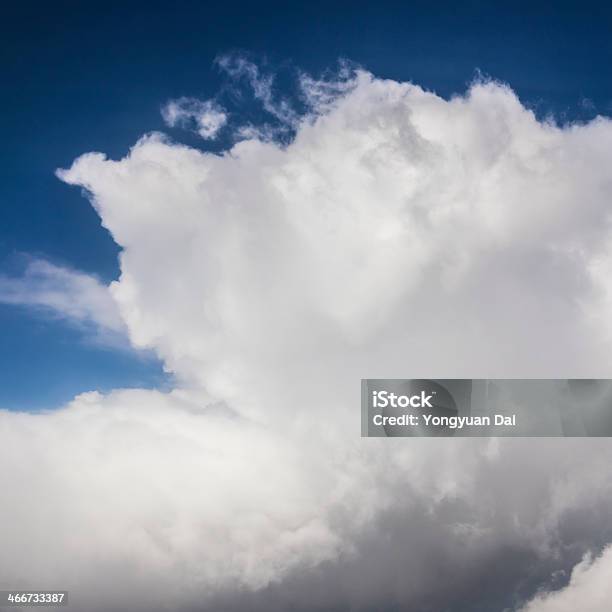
(589, 588)
(393, 210)
(399, 234)
(78, 298)
(191, 494)
(176, 499)
(207, 117)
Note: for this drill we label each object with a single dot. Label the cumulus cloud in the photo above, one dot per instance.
(398, 234)
(73, 296)
(394, 209)
(205, 117)
(180, 501)
(170, 494)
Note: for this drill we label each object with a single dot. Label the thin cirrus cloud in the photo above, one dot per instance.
(261, 84)
(397, 233)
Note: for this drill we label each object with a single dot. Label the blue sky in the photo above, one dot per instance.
(92, 76)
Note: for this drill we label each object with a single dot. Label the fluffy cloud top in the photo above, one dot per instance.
(397, 234)
(393, 209)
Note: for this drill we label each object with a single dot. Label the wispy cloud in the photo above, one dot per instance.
(77, 298)
(206, 118)
(239, 68)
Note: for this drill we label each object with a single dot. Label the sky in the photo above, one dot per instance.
(216, 221)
